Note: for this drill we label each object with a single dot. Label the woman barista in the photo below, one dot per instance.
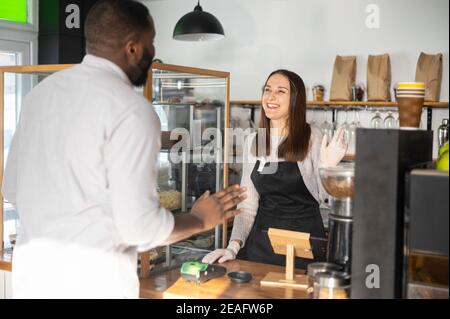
(283, 185)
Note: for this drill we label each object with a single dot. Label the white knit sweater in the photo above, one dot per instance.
(309, 168)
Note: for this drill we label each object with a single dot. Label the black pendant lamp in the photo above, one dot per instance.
(198, 25)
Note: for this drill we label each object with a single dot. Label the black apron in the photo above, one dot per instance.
(284, 203)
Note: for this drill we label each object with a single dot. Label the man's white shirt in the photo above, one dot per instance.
(81, 173)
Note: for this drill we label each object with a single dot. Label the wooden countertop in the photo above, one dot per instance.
(170, 285)
(5, 260)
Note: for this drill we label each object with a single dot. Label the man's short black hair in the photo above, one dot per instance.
(111, 23)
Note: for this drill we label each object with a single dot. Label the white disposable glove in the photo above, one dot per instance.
(332, 154)
(223, 254)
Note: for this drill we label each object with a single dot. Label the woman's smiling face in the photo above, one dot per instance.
(276, 97)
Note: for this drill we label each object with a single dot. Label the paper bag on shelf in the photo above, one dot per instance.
(429, 71)
(344, 74)
(379, 78)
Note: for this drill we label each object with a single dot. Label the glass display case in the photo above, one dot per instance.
(193, 106)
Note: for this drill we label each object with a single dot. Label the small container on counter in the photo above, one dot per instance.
(315, 268)
(332, 285)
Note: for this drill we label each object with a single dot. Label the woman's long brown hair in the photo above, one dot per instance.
(295, 146)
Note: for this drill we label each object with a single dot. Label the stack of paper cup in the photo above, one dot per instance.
(410, 97)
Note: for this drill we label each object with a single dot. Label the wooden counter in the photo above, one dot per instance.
(170, 285)
(5, 260)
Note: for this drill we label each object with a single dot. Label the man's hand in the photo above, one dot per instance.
(207, 212)
(214, 209)
(332, 154)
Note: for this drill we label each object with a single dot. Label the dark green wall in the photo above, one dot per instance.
(57, 43)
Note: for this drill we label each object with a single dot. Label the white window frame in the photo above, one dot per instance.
(31, 26)
(22, 38)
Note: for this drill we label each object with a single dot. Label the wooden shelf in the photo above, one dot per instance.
(370, 103)
(246, 102)
(433, 105)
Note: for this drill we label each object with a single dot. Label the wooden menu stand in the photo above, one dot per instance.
(292, 244)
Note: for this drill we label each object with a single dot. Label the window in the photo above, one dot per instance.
(14, 10)
(12, 53)
(10, 101)
(18, 46)
(18, 15)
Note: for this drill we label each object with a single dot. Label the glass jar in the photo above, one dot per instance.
(313, 269)
(318, 92)
(358, 92)
(332, 285)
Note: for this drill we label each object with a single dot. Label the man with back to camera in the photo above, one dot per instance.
(81, 169)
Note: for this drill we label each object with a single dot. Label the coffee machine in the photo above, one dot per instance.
(338, 181)
(382, 229)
